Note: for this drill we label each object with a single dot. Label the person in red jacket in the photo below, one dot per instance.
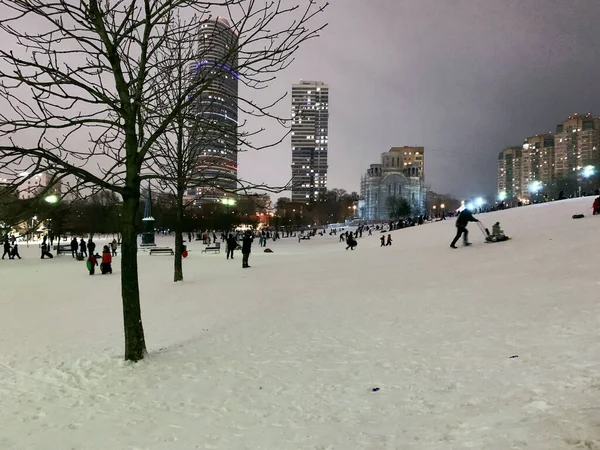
(596, 206)
(106, 265)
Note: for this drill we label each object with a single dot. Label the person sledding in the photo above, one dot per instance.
(497, 234)
(462, 221)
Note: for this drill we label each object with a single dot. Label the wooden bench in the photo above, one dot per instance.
(162, 250)
(214, 248)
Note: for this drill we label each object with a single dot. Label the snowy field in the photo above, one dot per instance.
(287, 354)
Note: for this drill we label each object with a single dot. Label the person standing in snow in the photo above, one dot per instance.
(462, 221)
(106, 265)
(246, 249)
(91, 246)
(389, 240)
(382, 240)
(92, 263)
(350, 241)
(82, 247)
(6, 249)
(74, 247)
(113, 246)
(231, 245)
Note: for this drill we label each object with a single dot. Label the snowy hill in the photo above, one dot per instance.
(489, 347)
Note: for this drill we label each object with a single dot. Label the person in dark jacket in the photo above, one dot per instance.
(14, 252)
(6, 249)
(82, 247)
(246, 248)
(464, 218)
(91, 246)
(74, 247)
(231, 245)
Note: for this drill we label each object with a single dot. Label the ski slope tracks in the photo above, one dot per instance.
(413, 346)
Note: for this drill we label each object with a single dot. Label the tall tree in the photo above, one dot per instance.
(398, 207)
(77, 96)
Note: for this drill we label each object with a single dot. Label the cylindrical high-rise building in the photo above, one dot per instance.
(215, 135)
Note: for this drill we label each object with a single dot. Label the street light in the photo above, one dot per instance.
(588, 171)
(479, 202)
(52, 199)
(535, 187)
(502, 196)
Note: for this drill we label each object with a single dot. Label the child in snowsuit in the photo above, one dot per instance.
(106, 265)
(389, 240)
(383, 241)
(93, 262)
(497, 233)
(596, 206)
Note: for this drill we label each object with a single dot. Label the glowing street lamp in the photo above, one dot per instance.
(588, 171)
(52, 199)
(502, 196)
(442, 206)
(228, 201)
(535, 187)
(479, 202)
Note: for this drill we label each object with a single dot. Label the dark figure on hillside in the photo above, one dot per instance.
(389, 240)
(464, 218)
(114, 246)
(82, 247)
(350, 241)
(382, 241)
(231, 245)
(246, 248)
(74, 247)
(14, 253)
(91, 246)
(6, 249)
(596, 206)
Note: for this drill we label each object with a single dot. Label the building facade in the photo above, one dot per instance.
(214, 137)
(537, 163)
(577, 144)
(401, 174)
(509, 172)
(36, 184)
(310, 140)
(549, 163)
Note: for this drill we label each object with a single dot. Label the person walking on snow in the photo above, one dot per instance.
(113, 246)
(92, 263)
(15, 252)
(389, 240)
(596, 206)
(6, 249)
(382, 240)
(246, 249)
(462, 221)
(231, 245)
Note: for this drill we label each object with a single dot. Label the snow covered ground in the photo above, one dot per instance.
(286, 355)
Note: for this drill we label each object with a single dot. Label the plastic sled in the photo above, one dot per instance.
(491, 240)
(578, 216)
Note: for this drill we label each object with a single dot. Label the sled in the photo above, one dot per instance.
(493, 241)
(89, 265)
(578, 216)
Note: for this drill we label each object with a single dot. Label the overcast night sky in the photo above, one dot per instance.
(464, 78)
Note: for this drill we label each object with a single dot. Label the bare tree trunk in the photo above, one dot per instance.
(135, 343)
(178, 270)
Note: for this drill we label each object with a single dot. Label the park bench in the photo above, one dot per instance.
(63, 248)
(162, 250)
(216, 247)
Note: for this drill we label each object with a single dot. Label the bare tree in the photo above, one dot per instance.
(77, 96)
